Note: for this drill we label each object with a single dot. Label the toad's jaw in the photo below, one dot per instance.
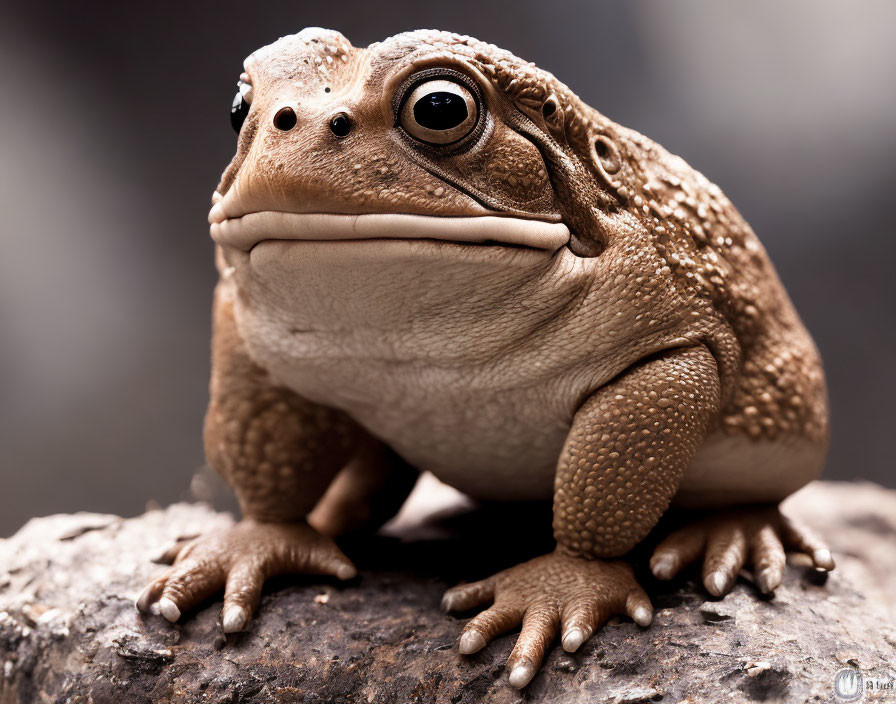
(248, 230)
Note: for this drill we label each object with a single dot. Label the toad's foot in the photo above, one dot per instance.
(238, 560)
(550, 593)
(727, 542)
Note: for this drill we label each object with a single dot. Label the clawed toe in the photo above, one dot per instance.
(823, 560)
(471, 642)
(574, 637)
(151, 594)
(552, 595)
(169, 609)
(755, 538)
(238, 561)
(234, 618)
(468, 596)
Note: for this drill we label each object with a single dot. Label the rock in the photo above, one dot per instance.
(69, 631)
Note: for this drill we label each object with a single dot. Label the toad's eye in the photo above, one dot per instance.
(240, 107)
(439, 112)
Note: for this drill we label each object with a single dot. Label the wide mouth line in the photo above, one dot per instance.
(247, 230)
(411, 240)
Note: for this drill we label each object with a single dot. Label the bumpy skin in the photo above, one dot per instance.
(629, 447)
(539, 304)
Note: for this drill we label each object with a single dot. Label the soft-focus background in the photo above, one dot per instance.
(114, 128)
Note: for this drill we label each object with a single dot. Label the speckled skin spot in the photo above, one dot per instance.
(655, 358)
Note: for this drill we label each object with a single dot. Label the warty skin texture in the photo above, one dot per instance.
(638, 352)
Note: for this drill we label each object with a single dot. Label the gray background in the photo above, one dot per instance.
(114, 124)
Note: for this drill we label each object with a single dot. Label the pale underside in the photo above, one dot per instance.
(424, 330)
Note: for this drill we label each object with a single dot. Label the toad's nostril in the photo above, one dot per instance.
(340, 124)
(285, 119)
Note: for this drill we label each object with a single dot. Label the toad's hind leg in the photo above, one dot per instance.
(366, 493)
(771, 440)
(741, 477)
(730, 539)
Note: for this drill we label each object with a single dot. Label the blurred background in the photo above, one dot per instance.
(115, 128)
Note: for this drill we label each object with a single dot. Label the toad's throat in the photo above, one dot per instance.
(245, 232)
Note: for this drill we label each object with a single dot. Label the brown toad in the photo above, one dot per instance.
(434, 256)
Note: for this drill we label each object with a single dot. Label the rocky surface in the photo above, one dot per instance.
(69, 631)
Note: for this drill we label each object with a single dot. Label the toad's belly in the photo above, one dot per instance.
(491, 429)
(490, 444)
(456, 356)
(494, 431)
(488, 448)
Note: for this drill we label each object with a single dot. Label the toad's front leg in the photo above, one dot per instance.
(279, 452)
(627, 450)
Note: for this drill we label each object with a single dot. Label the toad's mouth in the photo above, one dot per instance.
(246, 231)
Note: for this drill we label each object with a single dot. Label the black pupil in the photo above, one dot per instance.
(440, 110)
(238, 112)
(340, 125)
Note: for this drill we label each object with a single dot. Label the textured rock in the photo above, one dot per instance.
(69, 631)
